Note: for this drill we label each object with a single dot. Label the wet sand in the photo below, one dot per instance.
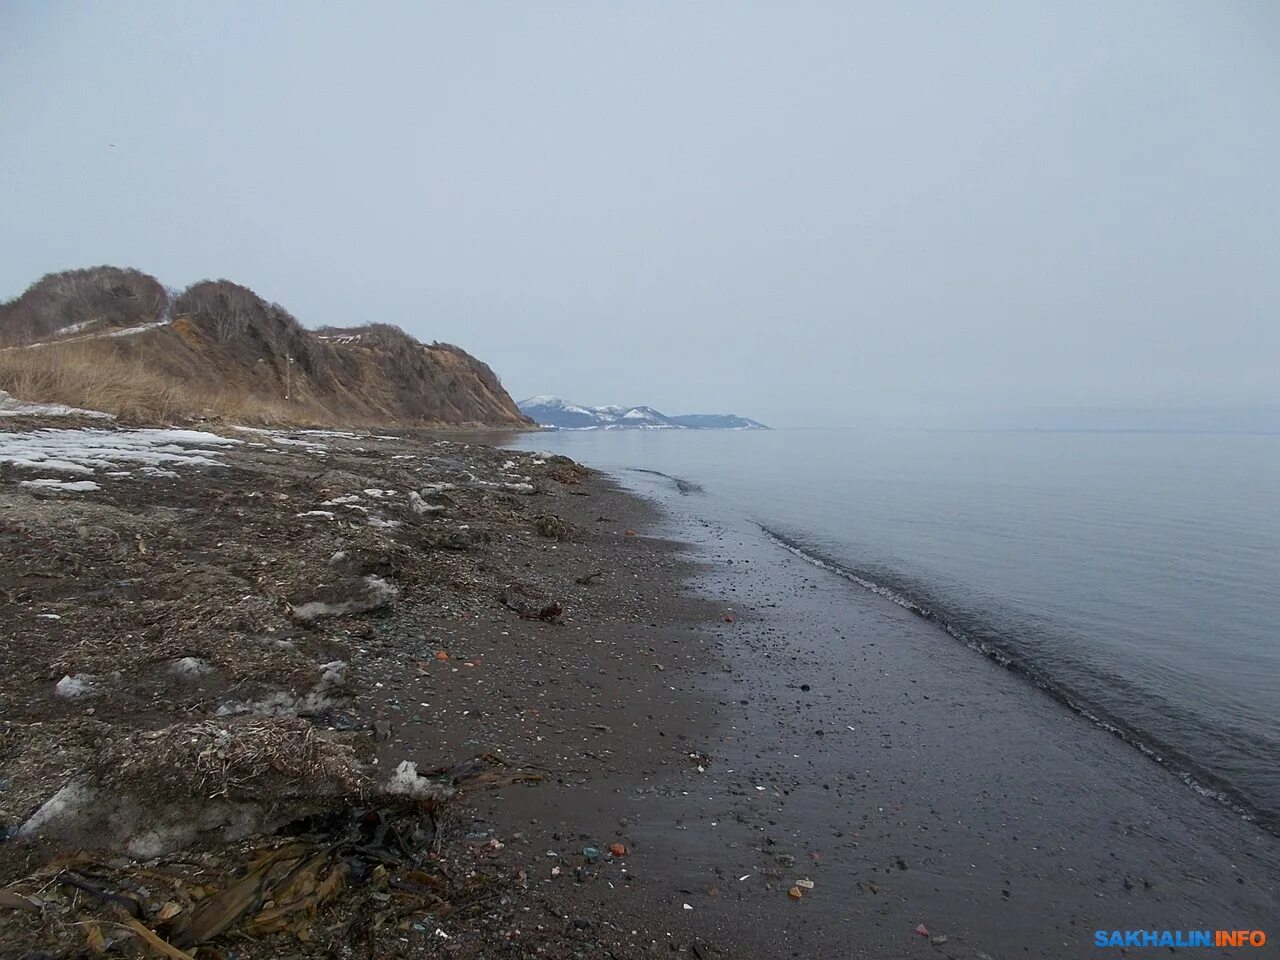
(845, 741)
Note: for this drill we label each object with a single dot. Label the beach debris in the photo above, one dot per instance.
(939, 940)
(319, 879)
(442, 655)
(550, 526)
(589, 578)
(795, 893)
(628, 533)
(566, 471)
(592, 854)
(523, 598)
(922, 930)
(618, 849)
(729, 618)
(805, 884)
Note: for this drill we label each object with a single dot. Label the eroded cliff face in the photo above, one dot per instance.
(116, 340)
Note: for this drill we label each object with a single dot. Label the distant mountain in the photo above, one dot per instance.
(558, 414)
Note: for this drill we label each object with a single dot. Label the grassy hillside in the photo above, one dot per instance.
(116, 340)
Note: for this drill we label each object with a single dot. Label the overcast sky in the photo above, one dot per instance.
(794, 211)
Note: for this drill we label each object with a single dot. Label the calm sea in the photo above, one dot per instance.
(1135, 576)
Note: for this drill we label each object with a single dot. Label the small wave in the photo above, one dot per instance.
(1200, 781)
(686, 487)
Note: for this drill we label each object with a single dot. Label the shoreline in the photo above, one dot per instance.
(1194, 775)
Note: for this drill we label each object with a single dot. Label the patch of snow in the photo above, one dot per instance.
(190, 667)
(77, 685)
(88, 449)
(76, 327)
(73, 800)
(101, 335)
(280, 437)
(406, 782)
(327, 514)
(72, 486)
(131, 331)
(291, 442)
(11, 406)
(328, 692)
(525, 488)
(420, 506)
(377, 592)
(340, 501)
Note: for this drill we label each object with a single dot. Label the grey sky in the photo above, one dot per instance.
(916, 212)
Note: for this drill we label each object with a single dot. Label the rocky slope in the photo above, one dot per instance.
(117, 340)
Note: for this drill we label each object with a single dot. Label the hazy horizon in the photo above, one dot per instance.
(921, 214)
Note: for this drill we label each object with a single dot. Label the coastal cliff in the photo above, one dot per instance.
(116, 340)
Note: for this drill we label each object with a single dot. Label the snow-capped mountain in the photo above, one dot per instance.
(558, 414)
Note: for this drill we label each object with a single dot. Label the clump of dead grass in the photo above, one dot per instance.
(242, 758)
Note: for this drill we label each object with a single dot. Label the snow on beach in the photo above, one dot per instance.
(11, 406)
(71, 486)
(87, 450)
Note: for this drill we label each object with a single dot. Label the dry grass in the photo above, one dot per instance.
(243, 758)
(90, 376)
(95, 379)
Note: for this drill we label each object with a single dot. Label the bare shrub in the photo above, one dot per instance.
(110, 296)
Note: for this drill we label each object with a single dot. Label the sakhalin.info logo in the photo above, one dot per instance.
(1179, 938)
